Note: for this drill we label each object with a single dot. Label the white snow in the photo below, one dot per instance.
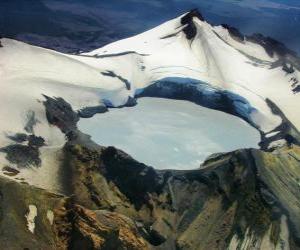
(170, 134)
(30, 217)
(272, 134)
(46, 176)
(50, 216)
(222, 62)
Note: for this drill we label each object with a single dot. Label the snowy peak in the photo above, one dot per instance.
(190, 28)
(222, 68)
(185, 58)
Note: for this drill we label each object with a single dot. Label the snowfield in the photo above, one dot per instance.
(113, 73)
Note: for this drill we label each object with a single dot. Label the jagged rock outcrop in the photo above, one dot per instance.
(190, 29)
(33, 218)
(24, 155)
(235, 199)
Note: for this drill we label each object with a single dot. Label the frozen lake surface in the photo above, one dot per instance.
(170, 134)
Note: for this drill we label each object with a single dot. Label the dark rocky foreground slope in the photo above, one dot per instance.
(33, 218)
(244, 194)
(239, 200)
(247, 199)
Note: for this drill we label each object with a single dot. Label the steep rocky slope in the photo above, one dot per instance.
(33, 218)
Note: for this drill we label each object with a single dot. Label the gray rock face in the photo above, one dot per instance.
(190, 29)
(113, 74)
(200, 93)
(89, 112)
(24, 155)
(233, 194)
(60, 114)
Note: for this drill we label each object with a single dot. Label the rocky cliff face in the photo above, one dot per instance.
(246, 199)
(32, 218)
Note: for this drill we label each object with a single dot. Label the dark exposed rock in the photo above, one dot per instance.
(288, 69)
(190, 30)
(115, 54)
(15, 199)
(131, 102)
(295, 85)
(294, 81)
(113, 74)
(60, 114)
(89, 112)
(35, 141)
(296, 89)
(286, 130)
(271, 45)
(202, 94)
(170, 35)
(7, 170)
(22, 155)
(190, 15)
(130, 175)
(234, 32)
(19, 137)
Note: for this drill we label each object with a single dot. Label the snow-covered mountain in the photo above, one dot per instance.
(246, 199)
(255, 78)
(186, 51)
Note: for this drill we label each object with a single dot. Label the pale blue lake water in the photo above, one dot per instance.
(170, 134)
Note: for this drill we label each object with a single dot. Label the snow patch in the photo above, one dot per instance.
(50, 216)
(272, 134)
(30, 217)
(276, 144)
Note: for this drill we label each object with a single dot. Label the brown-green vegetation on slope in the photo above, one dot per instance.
(232, 198)
(33, 218)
